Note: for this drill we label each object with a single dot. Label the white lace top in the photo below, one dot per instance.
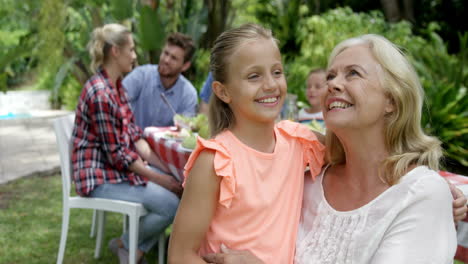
(411, 222)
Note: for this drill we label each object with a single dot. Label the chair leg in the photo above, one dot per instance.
(125, 223)
(63, 235)
(101, 219)
(93, 225)
(133, 238)
(161, 248)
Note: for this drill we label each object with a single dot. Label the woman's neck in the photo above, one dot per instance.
(113, 72)
(364, 150)
(355, 183)
(260, 137)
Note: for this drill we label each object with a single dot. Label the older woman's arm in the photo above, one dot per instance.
(230, 256)
(423, 231)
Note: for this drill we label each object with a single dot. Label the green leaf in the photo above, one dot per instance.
(151, 33)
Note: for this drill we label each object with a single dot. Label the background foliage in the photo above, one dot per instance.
(444, 76)
(52, 52)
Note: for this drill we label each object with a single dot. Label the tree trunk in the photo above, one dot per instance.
(391, 10)
(218, 11)
(408, 12)
(395, 10)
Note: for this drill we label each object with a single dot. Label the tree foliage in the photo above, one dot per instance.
(444, 76)
(50, 36)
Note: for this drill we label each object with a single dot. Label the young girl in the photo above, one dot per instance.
(244, 186)
(316, 86)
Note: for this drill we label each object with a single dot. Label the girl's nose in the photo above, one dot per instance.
(270, 83)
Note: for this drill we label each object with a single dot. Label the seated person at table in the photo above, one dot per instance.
(108, 148)
(316, 86)
(149, 85)
(205, 94)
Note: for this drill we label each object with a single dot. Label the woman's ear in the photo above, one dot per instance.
(389, 106)
(220, 90)
(115, 51)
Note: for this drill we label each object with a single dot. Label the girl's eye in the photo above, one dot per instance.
(253, 76)
(278, 72)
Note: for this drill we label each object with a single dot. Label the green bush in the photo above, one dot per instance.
(443, 76)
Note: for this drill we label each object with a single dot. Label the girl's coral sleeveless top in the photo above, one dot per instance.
(261, 193)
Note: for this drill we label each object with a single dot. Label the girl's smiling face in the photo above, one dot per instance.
(256, 86)
(355, 97)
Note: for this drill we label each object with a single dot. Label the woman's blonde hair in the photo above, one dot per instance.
(102, 39)
(405, 140)
(220, 115)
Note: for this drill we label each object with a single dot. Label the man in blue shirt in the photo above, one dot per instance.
(154, 90)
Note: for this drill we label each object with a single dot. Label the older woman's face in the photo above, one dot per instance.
(355, 98)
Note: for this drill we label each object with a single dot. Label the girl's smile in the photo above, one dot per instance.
(268, 101)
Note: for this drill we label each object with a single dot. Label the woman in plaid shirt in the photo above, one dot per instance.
(108, 148)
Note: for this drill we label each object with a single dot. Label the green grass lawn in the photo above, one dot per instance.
(31, 220)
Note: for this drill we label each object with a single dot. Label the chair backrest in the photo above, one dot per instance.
(63, 127)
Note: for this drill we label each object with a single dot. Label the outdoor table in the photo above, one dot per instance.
(175, 156)
(169, 150)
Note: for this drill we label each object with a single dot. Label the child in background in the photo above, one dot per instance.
(316, 86)
(244, 186)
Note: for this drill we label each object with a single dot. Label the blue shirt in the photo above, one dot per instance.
(206, 89)
(144, 90)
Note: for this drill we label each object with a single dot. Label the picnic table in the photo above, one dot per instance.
(169, 150)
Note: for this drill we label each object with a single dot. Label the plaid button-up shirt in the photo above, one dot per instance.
(104, 136)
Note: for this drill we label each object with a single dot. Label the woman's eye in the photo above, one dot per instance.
(353, 73)
(278, 72)
(330, 77)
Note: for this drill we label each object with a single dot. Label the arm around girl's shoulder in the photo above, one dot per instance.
(423, 229)
(196, 210)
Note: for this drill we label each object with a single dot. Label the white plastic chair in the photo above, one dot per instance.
(63, 127)
(161, 241)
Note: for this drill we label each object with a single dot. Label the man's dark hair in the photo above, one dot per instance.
(183, 41)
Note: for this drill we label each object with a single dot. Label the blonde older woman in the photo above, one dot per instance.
(380, 200)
